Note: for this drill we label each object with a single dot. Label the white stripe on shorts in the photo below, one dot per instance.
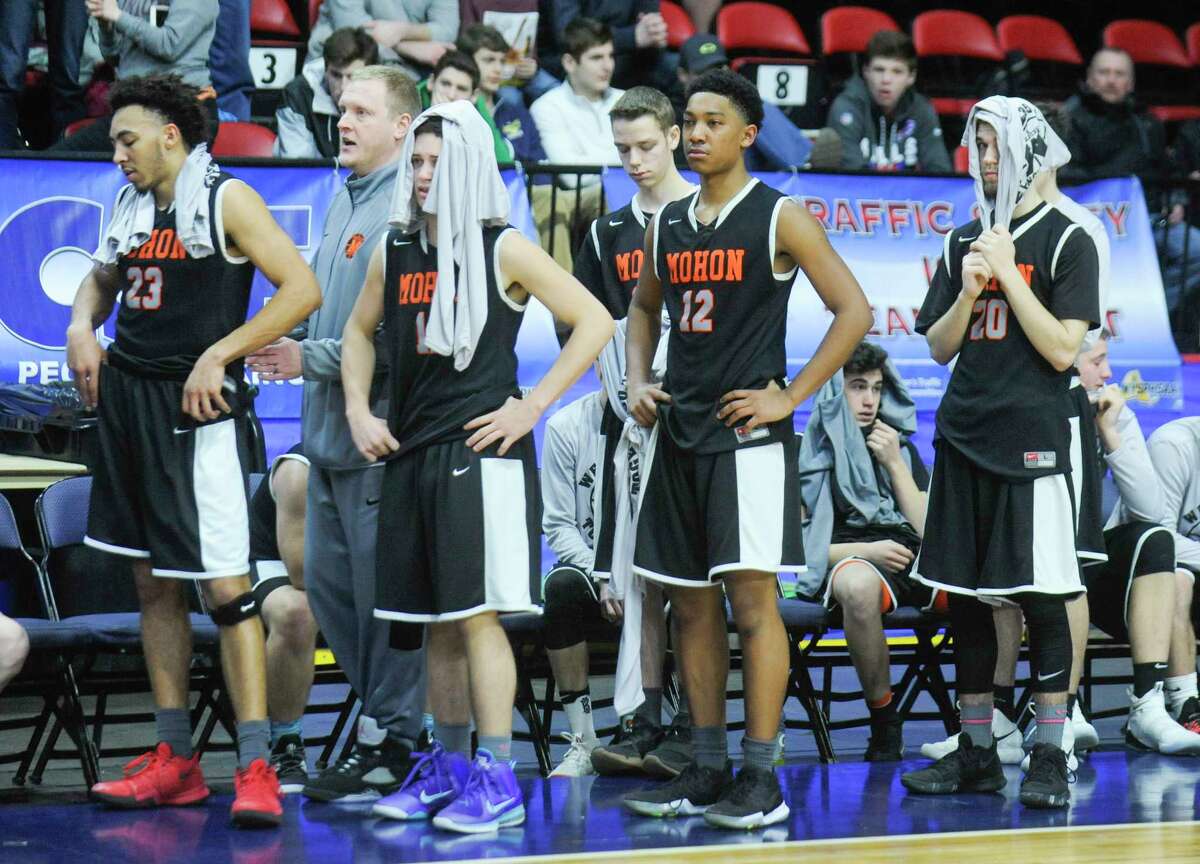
(505, 535)
(1055, 567)
(760, 484)
(219, 487)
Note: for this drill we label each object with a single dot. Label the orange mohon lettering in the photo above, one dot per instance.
(701, 274)
(622, 262)
(430, 284)
(733, 268)
(673, 265)
(716, 265)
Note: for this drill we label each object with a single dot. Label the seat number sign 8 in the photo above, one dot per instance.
(783, 85)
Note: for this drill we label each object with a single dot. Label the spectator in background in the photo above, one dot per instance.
(884, 124)
(522, 27)
(308, 118)
(572, 120)
(456, 77)
(505, 108)
(411, 33)
(66, 24)
(639, 36)
(229, 59)
(779, 145)
(1110, 134)
(136, 45)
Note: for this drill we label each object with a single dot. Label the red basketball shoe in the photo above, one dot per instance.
(155, 779)
(256, 802)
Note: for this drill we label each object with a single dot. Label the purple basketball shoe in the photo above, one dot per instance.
(491, 799)
(437, 778)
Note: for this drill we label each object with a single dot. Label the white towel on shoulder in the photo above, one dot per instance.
(466, 194)
(133, 214)
(630, 461)
(1028, 146)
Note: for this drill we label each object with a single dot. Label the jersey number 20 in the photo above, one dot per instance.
(992, 322)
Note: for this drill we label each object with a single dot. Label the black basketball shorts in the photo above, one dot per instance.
(703, 515)
(164, 488)
(988, 536)
(459, 533)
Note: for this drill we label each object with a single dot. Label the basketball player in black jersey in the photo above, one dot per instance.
(459, 530)
(721, 502)
(1012, 302)
(170, 484)
(610, 259)
(608, 264)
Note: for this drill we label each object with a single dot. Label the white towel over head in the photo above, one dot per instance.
(466, 194)
(1027, 145)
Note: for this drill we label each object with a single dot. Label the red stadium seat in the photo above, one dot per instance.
(950, 33)
(244, 139)
(1038, 38)
(1146, 42)
(962, 160)
(1192, 38)
(848, 29)
(273, 19)
(679, 24)
(78, 125)
(1175, 113)
(751, 26)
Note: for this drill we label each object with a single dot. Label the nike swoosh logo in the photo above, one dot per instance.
(1042, 677)
(426, 798)
(401, 242)
(673, 221)
(493, 809)
(179, 431)
(967, 239)
(458, 472)
(371, 502)
(616, 223)
(249, 607)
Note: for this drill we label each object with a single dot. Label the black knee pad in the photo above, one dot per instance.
(264, 588)
(235, 611)
(1050, 647)
(974, 644)
(1155, 553)
(568, 595)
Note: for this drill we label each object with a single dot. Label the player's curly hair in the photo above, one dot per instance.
(866, 357)
(169, 98)
(733, 87)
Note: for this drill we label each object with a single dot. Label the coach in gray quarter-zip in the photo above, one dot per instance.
(343, 492)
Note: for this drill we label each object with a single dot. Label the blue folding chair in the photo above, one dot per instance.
(48, 672)
(112, 619)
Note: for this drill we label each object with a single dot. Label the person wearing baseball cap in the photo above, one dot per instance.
(779, 146)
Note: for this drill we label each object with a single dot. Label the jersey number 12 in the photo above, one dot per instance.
(697, 311)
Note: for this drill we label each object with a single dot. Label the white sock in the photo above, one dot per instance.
(579, 716)
(1178, 689)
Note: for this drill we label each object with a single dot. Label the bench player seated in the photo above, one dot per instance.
(277, 511)
(863, 486)
(1175, 452)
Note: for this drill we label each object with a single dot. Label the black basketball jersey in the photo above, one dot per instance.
(264, 541)
(431, 400)
(610, 258)
(728, 311)
(174, 306)
(1006, 407)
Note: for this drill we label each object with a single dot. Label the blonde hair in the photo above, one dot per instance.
(401, 90)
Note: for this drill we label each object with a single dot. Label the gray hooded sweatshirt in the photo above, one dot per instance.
(359, 210)
(834, 451)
